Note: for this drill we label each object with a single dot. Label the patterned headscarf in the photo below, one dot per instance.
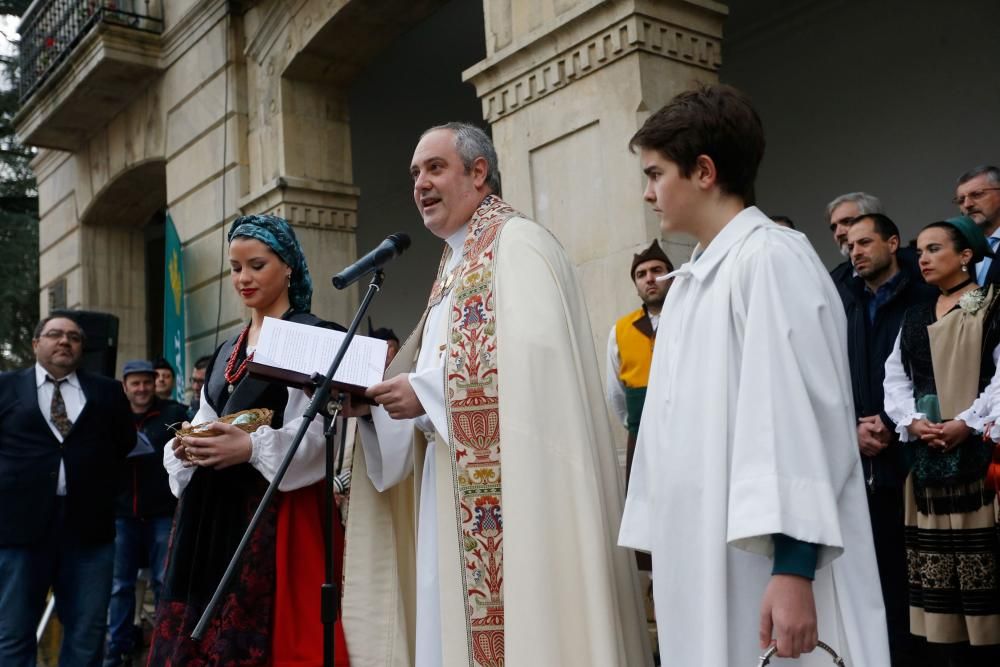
(277, 234)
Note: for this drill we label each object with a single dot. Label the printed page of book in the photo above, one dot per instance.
(306, 349)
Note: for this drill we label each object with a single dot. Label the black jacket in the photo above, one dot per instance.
(93, 453)
(869, 344)
(843, 277)
(993, 273)
(143, 488)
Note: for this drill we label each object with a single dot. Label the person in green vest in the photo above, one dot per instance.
(630, 344)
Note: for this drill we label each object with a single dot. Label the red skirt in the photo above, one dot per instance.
(297, 639)
(993, 472)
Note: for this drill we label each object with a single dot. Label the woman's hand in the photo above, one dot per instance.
(924, 430)
(179, 446)
(231, 447)
(953, 432)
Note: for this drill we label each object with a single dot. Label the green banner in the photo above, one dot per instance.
(174, 331)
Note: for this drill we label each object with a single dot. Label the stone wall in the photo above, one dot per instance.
(251, 113)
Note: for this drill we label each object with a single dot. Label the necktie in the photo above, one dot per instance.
(57, 411)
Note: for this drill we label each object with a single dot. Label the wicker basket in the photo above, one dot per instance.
(837, 660)
(247, 420)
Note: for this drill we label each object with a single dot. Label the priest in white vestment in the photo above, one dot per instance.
(486, 505)
(747, 487)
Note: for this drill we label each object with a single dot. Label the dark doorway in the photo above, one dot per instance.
(414, 84)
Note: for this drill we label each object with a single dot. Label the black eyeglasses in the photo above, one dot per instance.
(57, 334)
(975, 195)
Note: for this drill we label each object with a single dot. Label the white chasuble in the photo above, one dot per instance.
(524, 489)
(748, 430)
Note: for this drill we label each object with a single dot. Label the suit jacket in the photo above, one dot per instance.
(869, 344)
(143, 489)
(93, 451)
(993, 273)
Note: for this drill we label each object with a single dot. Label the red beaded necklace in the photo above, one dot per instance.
(233, 377)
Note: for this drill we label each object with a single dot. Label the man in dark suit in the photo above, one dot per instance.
(874, 304)
(64, 435)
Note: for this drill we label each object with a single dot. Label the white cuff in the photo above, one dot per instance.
(972, 419)
(254, 456)
(901, 426)
(177, 475)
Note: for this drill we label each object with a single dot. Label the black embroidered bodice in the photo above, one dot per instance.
(915, 346)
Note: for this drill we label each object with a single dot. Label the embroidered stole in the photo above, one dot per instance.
(472, 401)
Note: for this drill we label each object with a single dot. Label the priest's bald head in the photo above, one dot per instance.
(454, 167)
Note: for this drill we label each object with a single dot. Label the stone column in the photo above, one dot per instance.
(300, 161)
(324, 216)
(565, 84)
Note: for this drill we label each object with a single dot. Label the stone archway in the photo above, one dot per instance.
(337, 37)
(122, 258)
(301, 65)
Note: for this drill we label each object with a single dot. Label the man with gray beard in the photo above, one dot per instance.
(839, 214)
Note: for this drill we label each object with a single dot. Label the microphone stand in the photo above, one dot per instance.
(320, 400)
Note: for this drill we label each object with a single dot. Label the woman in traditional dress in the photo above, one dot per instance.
(271, 613)
(941, 390)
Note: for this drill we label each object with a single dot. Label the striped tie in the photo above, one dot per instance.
(58, 409)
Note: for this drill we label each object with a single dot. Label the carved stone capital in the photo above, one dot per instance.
(305, 203)
(526, 73)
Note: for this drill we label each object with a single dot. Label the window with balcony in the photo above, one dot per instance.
(51, 30)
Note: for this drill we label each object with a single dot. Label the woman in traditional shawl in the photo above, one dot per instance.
(941, 388)
(271, 613)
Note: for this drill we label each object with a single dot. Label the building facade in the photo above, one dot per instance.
(206, 109)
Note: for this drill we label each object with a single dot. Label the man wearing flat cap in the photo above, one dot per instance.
(630, 343)
(144, 506)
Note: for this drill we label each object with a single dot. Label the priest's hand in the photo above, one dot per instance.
(788, 614)
(952, 433)
(231, 447)
(397, 397)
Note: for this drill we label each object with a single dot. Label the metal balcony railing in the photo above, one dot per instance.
(51, 29)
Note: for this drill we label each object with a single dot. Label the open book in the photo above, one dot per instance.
(289, 353)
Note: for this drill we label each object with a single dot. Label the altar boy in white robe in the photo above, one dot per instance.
(747, 488)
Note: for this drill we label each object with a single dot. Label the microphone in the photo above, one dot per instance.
(383, 252)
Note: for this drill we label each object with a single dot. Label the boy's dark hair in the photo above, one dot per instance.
(717, 121)
(883, 224)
